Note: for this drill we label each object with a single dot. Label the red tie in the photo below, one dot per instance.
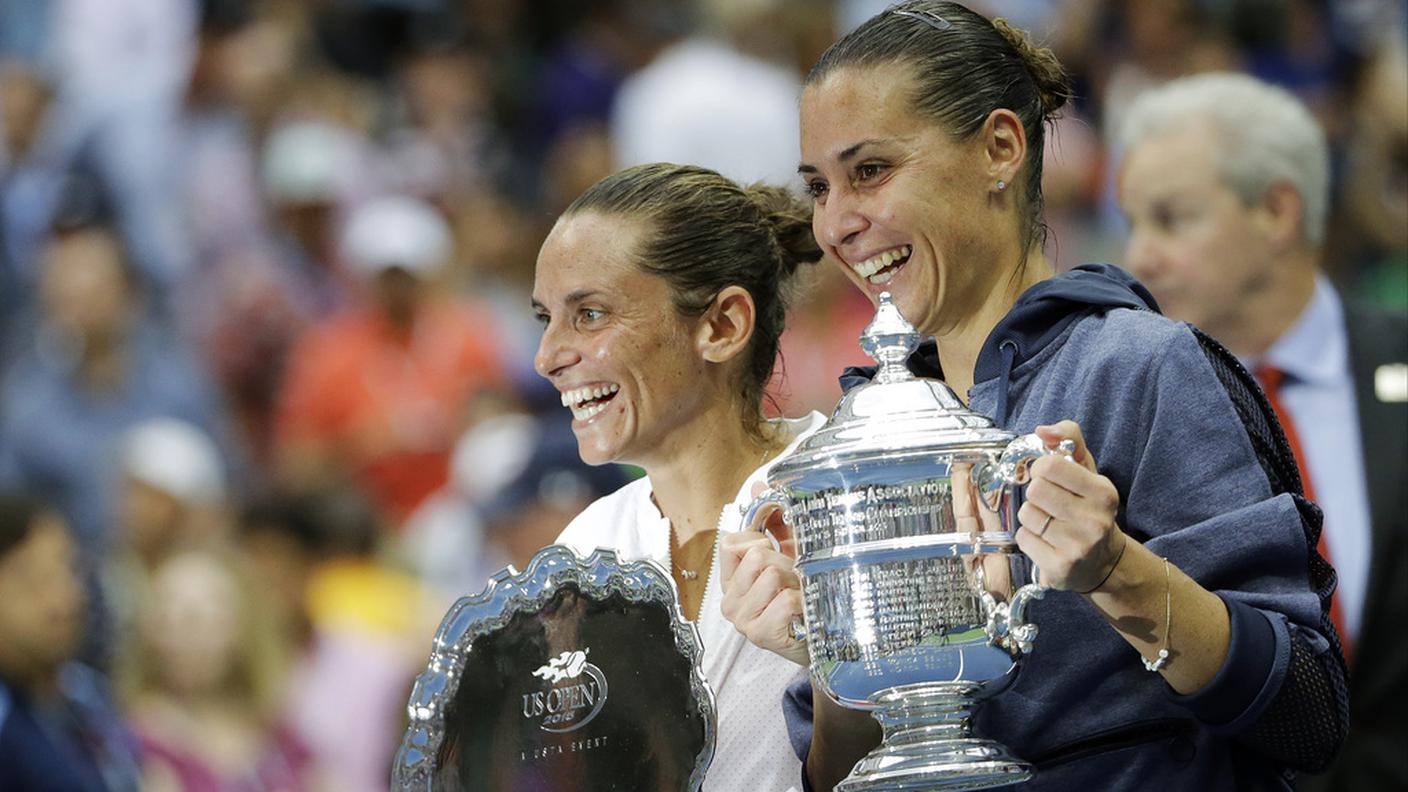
(1271, 379)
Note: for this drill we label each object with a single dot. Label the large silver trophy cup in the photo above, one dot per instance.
(904, 508)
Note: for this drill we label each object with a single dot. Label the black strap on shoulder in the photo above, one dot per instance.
(1273, 452)
(1314, 692)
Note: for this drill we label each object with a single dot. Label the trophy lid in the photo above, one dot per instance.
(894, 418)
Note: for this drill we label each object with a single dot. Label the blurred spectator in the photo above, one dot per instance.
(1226, 185)
(96, 368)
(255, 284)
(378, 393)
(1372, 238)
(31, 186)
(205, 682)
(121, 68)
(310, 170)
(262, 284)
(58, 731)
(172, 498)
(174, 489)
(284, 541)
(496, 245)
(363, 627)
(444, 538)
(579, 77)
(491, 516)
(223, 208)
(712, 99)
(443, 141)
(1160, 40)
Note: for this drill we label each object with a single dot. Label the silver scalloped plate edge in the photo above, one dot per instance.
(509, 593)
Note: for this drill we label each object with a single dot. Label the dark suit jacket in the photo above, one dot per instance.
(1375, 757)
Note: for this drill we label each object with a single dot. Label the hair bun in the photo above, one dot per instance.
(1052, 86)
(791, 222)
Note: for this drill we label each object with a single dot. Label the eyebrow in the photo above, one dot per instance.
(571, 299)
(846, 154)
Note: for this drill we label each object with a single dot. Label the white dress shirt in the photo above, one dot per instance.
(1318, 392)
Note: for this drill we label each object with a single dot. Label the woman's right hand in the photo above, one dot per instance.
(762, 593)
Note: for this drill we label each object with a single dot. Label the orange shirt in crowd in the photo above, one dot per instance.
(387, 407)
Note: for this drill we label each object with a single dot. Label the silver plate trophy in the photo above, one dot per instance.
(904, 507)
(575, 674)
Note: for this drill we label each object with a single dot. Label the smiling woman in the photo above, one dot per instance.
(1174, 534)
(615, 327)
(663, 291)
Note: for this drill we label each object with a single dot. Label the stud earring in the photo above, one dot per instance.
(1001, 185)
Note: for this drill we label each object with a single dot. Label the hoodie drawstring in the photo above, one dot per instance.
(1004, 379)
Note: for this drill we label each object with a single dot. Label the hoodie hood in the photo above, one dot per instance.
(1038, 318)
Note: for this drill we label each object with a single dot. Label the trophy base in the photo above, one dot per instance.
(928, 745)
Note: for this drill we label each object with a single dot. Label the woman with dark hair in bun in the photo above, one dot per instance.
(1186, 644)
(662, 291)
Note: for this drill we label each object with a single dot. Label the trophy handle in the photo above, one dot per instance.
(1011, 468)
(1020, 632)
(1007, 624)
(754, 519)
(769, 500)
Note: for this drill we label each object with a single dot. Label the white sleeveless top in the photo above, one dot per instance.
(753, 751)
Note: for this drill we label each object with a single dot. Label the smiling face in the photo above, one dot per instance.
(900, 204)
(624, 360)
(1193, 241)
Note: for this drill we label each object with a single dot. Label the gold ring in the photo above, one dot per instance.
(1046, 524)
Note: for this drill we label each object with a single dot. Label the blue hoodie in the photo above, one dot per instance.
(1090, 346)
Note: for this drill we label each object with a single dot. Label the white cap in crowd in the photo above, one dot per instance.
(308, 162)
(506, 439)
(175, 457)
(396, 231)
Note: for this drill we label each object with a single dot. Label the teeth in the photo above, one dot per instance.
(583, 413)
(579, 396)
(880, 261)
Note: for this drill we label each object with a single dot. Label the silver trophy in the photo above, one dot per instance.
(576, 674)
(904, 507)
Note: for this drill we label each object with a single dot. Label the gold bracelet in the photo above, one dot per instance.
(1159, 662)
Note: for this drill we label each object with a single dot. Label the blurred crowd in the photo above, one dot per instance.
(266, 382)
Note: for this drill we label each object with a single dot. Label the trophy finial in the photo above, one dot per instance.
(888, 340)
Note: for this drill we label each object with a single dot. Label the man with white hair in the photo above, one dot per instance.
(1225, 182)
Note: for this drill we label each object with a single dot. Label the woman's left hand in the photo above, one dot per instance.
(1068, 525)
